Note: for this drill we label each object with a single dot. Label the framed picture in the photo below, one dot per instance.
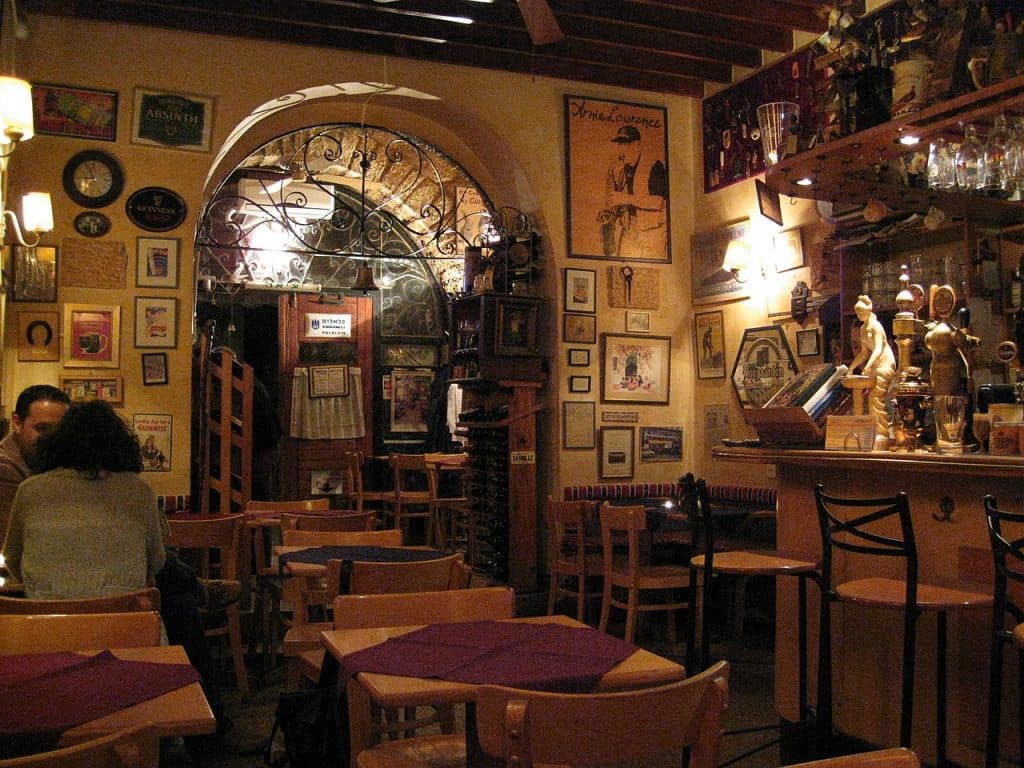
(328, 381)
(324, 482)
(154, 433)
(578, 424)
(638, 322)
(579, 329)
(579, 384)
(768, 202)
(63, 110)
(156, 322)
(580, 289)
(38, 337)
(616, 456)
(789, 250)
(81, 389)
(617, 163)
(711, 283)
(154, 368)
(661, 443)
(34, 273)
(517, 328)
(92, 335)
(175, 120)
(763, 364)
(709, 344)
(635, 369)
(807, 342)
(410, 399)
(156, 263)
(579, 358)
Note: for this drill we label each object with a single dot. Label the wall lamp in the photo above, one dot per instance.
(738, 259)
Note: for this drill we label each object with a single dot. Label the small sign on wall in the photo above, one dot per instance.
(323, 326)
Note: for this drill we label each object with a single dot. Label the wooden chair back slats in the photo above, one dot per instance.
(388, 538)
(135, 747)
(423, 576)
(45, 633)
(299, 506)
(342, 521)
(140, 600)
(570, 565)
(448, 606)
(529, 727)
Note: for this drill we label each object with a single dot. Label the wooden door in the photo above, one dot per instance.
(302, 347)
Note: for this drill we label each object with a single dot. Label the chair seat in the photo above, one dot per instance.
(654, 576)
(435, 751)
(218, 594)
(756, 563)
(891, 593)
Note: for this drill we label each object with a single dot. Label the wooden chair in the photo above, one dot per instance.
(386, 538)
(571, 564)
(339, 521)
(628, 573)
(525, 728)
(453, 512)
(353, 465)
(135, 747)
(218, 536)
(412, 497)
(298, 506)
(1006, 533)
(140, 600)
(879, 758)
(43, 633)
(381, 578)
(882, 527)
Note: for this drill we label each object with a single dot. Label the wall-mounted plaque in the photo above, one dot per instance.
(156, 209)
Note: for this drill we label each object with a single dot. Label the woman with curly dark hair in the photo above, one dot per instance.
(88, 524)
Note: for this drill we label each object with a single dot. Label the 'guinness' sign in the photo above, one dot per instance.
(156, 209)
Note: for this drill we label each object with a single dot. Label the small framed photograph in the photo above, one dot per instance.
(34, 273)
(173, 120)
(789, 250)
(328, 381)
(661, 443)
(92, 335)
(580, 287)
(579, 384)
(638, 322)
(578, 424)
(616, 455)
(157, 262)
(154, 368)
(807, 343)
(156, 322)
(579, 329)
(709, 345)
(38, 337)
(579, 358)
(768, 202)
(81, 389)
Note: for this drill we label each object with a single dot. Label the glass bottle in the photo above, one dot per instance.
(969, 160)
(1017, 286)
(994, 163)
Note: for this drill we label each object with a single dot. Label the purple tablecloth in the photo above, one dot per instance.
(543, 657)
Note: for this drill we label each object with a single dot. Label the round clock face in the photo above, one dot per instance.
(93, 179)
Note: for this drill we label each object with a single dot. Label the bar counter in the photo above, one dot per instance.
(949, 525)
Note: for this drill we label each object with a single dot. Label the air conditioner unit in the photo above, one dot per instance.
(301, 199)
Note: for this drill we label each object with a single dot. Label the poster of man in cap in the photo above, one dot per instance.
(618, 180)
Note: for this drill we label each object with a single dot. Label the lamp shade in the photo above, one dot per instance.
(37, 212)
(16, 108)
(737, 256)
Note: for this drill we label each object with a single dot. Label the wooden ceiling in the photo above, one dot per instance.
(666, 46)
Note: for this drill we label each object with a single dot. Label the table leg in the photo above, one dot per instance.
(359, 720)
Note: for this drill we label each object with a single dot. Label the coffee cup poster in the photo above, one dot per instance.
(92, 336)
(617, 164)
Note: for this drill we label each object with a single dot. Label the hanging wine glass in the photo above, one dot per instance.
(1012, 184)
(969, 161)
(994, 158)
(941, 164)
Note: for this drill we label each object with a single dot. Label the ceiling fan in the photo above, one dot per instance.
(540, 21)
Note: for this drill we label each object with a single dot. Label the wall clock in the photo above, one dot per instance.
(93, 179)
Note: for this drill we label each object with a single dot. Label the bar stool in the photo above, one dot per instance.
(857, 526)
(1008, 557)
(742, 563)
(571, 564)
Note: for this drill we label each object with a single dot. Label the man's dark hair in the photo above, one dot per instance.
(93, 439)
(38, 392)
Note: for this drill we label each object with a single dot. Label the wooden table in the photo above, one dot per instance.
(642, 669)
(319, 569)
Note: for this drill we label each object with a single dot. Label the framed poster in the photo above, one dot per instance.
(579, 329)
(64, 110)
(709, 343)
(635, 369)
(328, 380)
(617, 166)
(638, 322)
(807, 342)
(81, 389)
(578, 424)
(661, 443)
(789, 250)
(710, 282)
(154, 433)
(410, 399)
(92, 335)
(768, 202)
(154, 368)
(517, 328)
(34, 273)
(37, 337)
(579, 384)
(580, 290)
(763, 364)
(175, 120)
(579, 358)
(616, 455)
(156, 264)
(156, 322)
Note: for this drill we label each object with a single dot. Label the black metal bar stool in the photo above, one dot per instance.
(866, 526)
(1006, 532)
